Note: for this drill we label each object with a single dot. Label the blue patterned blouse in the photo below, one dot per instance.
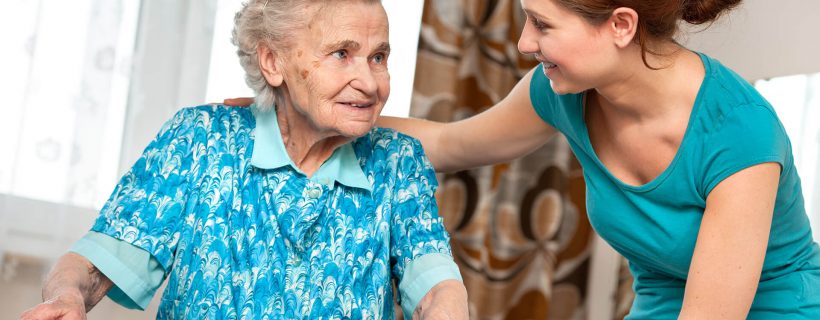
(241, 232)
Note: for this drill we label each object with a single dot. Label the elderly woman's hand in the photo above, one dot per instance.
(72, 288)
(445, 301)
(66, 306)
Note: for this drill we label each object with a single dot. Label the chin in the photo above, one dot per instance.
(565, 89)
(356, 131)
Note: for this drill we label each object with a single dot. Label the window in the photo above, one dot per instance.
(797, 102)
(66, 70)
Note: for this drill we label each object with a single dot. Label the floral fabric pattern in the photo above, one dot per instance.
(238, 241)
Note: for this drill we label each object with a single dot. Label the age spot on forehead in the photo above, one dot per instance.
(299, 53)
(304, 74)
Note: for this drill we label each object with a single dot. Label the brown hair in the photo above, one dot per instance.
(658, 19)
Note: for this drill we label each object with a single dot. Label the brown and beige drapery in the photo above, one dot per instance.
(519, 230)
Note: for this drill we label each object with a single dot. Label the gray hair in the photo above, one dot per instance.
(270, 23)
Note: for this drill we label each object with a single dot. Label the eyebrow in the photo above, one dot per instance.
(353, 45)
(535, 15)
(344, 44)
(383, 47)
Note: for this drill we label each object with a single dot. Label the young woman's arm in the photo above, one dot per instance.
(506, 131)
(731, 245)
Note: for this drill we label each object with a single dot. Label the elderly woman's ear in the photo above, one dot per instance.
(269, 65)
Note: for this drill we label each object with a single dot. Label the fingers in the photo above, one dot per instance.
(238, 102)
(43, 311)
(49, 311)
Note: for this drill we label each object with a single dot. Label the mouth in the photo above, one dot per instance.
(549, 65)
(358, 104)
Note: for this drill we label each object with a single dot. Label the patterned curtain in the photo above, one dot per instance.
(519, 230)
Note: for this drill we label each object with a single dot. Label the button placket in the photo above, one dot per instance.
(315, 193)
(314, 190)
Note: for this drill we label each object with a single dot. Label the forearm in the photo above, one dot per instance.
(731, 245)
(446, 300)
(428, 132)
(76, 277)
(457, 146)
(504, 132)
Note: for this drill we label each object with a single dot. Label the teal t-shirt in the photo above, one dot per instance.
(655, 225)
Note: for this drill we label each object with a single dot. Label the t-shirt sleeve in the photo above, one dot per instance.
(748, 136)
(557, 110)
(418, 237)
(542, 97)
(146, 207)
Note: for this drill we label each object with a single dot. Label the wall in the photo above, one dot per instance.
(764, 38)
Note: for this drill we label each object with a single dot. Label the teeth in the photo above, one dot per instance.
(549, 65)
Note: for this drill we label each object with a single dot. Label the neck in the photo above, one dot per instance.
(307, 147)
(643, 94)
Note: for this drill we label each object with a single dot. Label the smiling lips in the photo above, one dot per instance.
(360, 105)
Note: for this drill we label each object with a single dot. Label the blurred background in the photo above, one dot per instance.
(88, 83)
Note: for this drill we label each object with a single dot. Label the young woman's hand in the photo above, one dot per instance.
(238, 102)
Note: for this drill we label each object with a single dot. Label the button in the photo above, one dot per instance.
(315, 193)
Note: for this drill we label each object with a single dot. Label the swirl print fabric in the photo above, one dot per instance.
(237, 241)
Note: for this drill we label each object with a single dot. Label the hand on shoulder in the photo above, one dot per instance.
(238, 102)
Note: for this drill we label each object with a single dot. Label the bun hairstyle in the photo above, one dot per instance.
(658, 19)
(705, 11)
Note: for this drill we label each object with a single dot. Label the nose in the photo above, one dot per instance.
(363, 78)
(528, 42)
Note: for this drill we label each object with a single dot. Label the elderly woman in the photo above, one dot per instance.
(295, 208)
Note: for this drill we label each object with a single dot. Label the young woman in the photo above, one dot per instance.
(689, 172)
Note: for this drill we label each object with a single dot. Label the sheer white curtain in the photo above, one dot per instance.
(65, 69)
(797, 102)
(64, 80)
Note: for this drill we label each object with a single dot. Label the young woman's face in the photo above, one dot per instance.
(575, 54)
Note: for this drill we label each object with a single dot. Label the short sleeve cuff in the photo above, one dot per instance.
(421, 275)
(132, 288)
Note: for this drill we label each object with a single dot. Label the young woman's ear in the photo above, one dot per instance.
(623, 24)
(270, 65)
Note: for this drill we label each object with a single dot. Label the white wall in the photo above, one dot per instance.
(765, 38)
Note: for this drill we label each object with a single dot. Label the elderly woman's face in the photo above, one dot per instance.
(336, 71)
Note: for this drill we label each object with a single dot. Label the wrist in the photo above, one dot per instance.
(67, 295)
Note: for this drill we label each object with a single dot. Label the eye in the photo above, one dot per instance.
(339, 54)
(379, 58)
(538, 24)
